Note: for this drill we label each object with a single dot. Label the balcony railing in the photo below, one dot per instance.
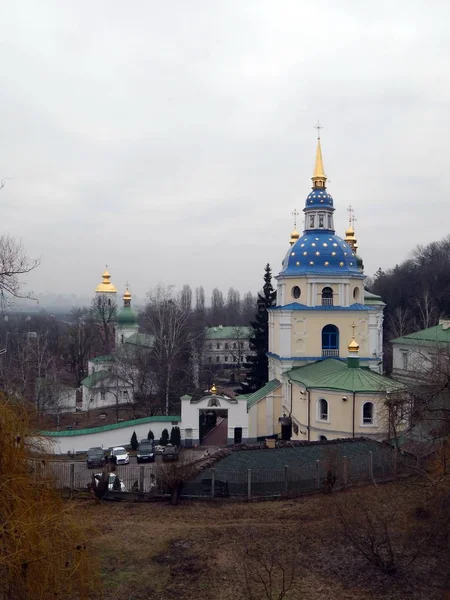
(326, 353)
(327, 301)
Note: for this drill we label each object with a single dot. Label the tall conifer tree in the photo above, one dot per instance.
(259, 339)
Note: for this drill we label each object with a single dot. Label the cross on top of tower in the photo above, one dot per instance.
(351, 216)
(295, 214)
(318, 127)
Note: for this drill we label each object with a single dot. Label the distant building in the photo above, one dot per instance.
(227, 347)
(414, 355)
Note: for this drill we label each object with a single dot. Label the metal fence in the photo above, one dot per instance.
(246, 484)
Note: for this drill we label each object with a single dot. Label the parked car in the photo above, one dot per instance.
(170, 454)
(111, 481)
(119, 456)
(145, 452)
(158, 449)
(95, 458)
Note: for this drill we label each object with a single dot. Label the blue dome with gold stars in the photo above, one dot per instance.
(319, 198)
(320, 253)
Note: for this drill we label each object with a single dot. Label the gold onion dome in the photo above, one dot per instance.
(353, 346)
(127, 295)
(294, 237)
(213, 390)
(106, 285)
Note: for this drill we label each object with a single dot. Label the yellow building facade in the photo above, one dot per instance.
(322, 381)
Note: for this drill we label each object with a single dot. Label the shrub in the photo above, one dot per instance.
(175, 436)
(164, 439)
(134, 441)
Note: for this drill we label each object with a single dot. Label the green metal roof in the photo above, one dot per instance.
(94, 378)
(252, 399)
(127, 317)
(370, 298)
(133, 423)
(104, 358)
(333, 374)
(436, 334)
(241, 460)
(227, 333)
(141, 339)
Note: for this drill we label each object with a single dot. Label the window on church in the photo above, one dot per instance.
(327, 296)
(330, 222)
(322, 438)
(296, 292)
(323, 410)
(226, 358)
(330, 341)
(321, 217)
(218, 346)
(311, 220)
(368, 413)
(102, 394)
(356, 293)
(234, 345)
(217, 358)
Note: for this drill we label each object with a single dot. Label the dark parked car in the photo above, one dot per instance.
(145, 452)
(170, 454)
(95, 457)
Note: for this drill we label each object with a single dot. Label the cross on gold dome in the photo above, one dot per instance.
(318, 127)
(295, 214)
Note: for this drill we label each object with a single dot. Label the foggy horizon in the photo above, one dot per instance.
(172, 142)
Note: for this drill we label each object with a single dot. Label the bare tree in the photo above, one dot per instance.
(81, 339)
(165, 319)
(104, 312)
(14, 263)
(428, 312)
(267, 570)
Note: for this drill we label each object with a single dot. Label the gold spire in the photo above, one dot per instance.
(294, 237)
(106, 285)
(295, 234)
(319, 178)
(213, 390)
(127, 296)
(353, 346)
(350, 236)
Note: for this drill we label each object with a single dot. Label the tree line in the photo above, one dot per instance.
(416, 292)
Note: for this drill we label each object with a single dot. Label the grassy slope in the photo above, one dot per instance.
(155, 551)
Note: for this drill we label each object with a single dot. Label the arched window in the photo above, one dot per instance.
(322, 438)
(327, 296)
(296, 292)
(356, 294)
(330, 341)
(322, 407)
(368, 413)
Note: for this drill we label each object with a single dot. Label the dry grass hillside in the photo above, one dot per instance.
(226, 551)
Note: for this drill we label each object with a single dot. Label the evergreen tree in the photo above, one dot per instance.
(175, 436)
(259, 338)
(150, 435)
(164, 439)
(134, 441)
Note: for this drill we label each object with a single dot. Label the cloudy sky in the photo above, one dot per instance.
(172, 140)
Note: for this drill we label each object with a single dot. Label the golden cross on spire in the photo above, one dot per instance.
(353, 326)
(295, 214)
(351, 216)
(318, 127)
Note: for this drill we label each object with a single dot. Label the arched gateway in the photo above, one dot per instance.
(213, 420)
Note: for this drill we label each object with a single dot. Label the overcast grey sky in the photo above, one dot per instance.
(172, 140)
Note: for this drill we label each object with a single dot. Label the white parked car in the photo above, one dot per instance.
(121, 456)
